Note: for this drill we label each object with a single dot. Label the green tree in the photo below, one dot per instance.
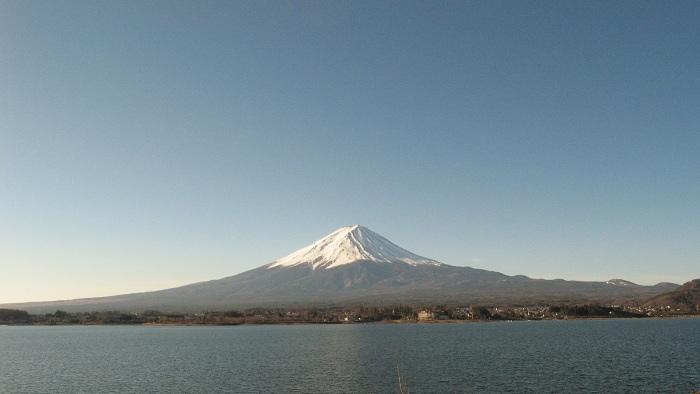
(13, 315)
(60, 315)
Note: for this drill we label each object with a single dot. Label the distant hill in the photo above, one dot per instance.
(356, 266)
(685, 299)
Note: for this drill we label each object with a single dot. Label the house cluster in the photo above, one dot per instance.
(658, 311)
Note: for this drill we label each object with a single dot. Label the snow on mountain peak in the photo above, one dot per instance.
(347, 245)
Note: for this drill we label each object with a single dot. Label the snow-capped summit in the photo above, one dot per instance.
(347, 245)
(620, 282)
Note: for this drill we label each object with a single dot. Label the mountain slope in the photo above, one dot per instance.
(352, 266)
(686, 298)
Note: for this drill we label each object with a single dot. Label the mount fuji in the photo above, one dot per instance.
(356, 266)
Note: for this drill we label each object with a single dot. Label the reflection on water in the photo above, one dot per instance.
(611, 356)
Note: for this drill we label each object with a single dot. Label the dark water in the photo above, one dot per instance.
(611, 356)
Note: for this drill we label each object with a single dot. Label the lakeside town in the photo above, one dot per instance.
(340, 315)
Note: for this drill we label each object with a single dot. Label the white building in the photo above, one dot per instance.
(426, 315)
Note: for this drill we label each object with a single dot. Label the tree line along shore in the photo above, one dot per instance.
(338, 315)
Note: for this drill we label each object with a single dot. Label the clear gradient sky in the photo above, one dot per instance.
(145, 145)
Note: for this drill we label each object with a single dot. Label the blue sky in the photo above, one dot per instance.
(145, 145)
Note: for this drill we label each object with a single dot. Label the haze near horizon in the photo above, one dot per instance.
(145, 146)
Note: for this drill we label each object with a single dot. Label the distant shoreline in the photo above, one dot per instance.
(447, 321)
(396, 314)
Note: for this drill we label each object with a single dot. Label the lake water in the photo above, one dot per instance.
(593, 356)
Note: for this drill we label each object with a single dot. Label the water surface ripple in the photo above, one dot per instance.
(595, 356)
